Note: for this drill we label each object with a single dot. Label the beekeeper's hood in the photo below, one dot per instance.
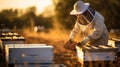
(79, 8)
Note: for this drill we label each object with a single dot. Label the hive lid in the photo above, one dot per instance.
(12, 38)
(28, 46)
(100, 48)
(115, 39)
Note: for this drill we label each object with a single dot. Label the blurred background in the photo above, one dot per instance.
(21, 14)
(48, 21)
(36, 15)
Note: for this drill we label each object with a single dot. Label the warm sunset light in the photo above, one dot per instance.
(23, 4)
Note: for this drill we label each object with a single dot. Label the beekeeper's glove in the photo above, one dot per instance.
(70, 40)
(85, 41)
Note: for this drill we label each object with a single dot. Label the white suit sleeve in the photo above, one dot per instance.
(75, 31)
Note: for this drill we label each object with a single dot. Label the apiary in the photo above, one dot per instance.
(96, 53)
(29, 53)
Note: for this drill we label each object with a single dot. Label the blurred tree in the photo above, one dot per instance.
(10, 19)
(62, 10)
(110, 10)
(28, 19)
(46, 18)
(7, 18)
(44, 21)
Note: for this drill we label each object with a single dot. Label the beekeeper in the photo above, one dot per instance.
(89, 24)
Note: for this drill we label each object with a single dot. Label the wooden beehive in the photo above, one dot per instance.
(29, 53)
(96, 54)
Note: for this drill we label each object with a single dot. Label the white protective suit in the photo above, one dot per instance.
(96, 31)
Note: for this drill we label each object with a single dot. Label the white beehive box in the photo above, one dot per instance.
(39, 65)
(92, 53)
(11, 40)
(29, 53)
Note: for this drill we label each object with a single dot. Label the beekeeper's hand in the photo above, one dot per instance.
(85, 41)
(70, 45)
(70, 40)
(79, 44)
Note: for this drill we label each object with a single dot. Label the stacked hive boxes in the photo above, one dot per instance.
(96, 56)
(10, 38)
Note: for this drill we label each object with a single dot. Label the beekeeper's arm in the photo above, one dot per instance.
(98, 30)
(75, 31)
